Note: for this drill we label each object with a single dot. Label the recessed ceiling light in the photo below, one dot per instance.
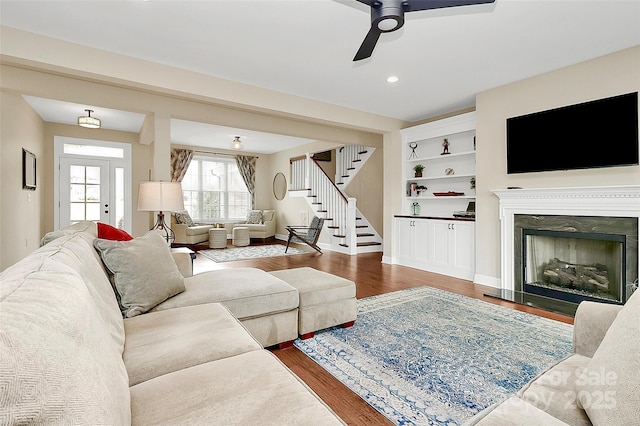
(392, 79)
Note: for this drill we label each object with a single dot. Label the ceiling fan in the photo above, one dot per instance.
(388, 16)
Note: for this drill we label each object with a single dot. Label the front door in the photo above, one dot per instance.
(84, 191)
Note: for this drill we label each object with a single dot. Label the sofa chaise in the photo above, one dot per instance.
(597, 385)
(69, 357)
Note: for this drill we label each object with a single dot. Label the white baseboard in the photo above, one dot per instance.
(487, 280)
(388, 260)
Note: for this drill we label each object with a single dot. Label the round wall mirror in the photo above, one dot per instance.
(279, 186)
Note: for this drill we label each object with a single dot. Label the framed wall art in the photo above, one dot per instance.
(28, 170)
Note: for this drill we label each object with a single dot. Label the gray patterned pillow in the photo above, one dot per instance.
(254, 216)
(142, 272)
(183, 217)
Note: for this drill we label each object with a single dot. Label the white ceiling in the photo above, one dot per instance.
(305, 47)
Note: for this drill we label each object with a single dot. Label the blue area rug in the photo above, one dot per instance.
(425, 356)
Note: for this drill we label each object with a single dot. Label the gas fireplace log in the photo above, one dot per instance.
(591, 278)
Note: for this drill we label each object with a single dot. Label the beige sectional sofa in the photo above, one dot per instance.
(69, 357)
(597, 385)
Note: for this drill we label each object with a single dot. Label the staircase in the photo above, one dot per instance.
(349, 231)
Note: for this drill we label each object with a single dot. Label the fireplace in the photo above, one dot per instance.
(560, 246)
(574, 266)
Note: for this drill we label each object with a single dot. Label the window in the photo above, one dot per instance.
(213, 189)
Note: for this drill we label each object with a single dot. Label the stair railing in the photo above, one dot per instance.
(328, 200)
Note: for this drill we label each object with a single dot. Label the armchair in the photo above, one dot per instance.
(307, 235)
(188, 233)
(261, 224)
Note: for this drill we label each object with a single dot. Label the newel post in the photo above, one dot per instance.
(351, 226)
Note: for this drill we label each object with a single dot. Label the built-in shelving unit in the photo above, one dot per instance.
(444, 172)
(433, 239)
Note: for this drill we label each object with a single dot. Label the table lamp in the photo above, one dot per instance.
(160, 197)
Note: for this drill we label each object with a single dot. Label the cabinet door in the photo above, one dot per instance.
(406, 238)
(463, 246)
(422, 234)
(440, 244)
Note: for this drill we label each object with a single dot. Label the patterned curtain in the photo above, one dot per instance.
(180, 160)
(247, 169)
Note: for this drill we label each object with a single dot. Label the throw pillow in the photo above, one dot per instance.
(142, 272)
(109, 232)
(254, 216)
(183, 217)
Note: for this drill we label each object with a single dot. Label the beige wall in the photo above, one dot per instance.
(602, 77)
(21, 210)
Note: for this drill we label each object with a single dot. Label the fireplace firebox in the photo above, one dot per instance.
(574, 266)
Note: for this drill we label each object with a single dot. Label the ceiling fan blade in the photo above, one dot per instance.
(415, 5)
(367, 46)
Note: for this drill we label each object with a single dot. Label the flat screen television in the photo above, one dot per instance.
(601, 133)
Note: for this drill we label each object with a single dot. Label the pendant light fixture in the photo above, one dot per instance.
(88, 121)
(237, 144)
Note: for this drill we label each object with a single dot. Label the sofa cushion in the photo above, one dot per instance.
(61, 340)
(198, 230)
(162, 342)
(253, 388)
(554, 391)
(317, 287)
(109, 232)
(183, 217)
(247, 292)
(609, 386)
(143, 272)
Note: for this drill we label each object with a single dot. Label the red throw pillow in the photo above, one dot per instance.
(108, 232)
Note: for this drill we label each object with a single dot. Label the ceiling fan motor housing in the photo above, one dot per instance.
(387, 15)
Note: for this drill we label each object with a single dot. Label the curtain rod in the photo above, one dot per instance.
(221, 153)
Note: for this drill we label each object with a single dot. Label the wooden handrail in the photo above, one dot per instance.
(332, 182)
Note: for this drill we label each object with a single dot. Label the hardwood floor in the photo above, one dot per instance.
(372, 278)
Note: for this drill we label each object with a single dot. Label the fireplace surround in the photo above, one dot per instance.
(602, 222)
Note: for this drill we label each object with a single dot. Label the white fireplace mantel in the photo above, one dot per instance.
(612, 201)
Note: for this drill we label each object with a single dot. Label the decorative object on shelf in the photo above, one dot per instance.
(420, 188)
(448, 194)
(449, 171)
(413, 146)
(418, 168)
(412, 191)
(473, 183)
(415, 208)
(445, 147)
(474, 143)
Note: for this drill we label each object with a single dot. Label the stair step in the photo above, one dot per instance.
(312, 196)
(316, 204)
(351, 168)
(340, 183)
(365, 235)
(322, 211)
(369, 243)
(357, 160)
(339, 236)
(361, 226)
(362, 152)
(345, 176)
(343, 245)
(333, 227)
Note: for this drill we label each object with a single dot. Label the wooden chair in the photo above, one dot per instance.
(307, 235)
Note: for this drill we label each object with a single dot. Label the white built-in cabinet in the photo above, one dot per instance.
(436, 245)
(435, 240)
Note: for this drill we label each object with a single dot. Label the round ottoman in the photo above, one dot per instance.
(241, 236)
(217, 238)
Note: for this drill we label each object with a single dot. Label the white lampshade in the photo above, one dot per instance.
(160, 196)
